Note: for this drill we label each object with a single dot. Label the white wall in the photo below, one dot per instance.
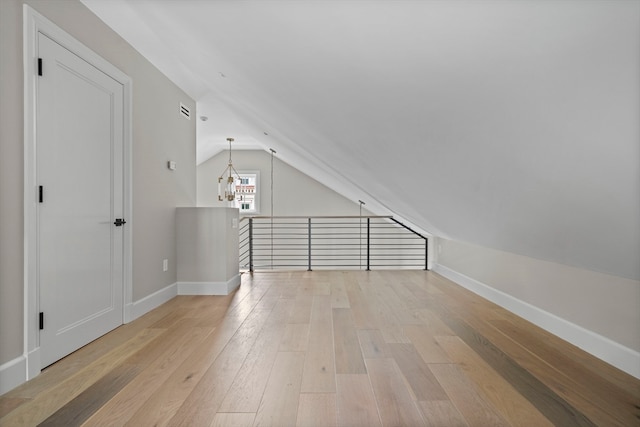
(597, 312)
(510, 124)
(159, 135)
(207, 244)
(294, 192)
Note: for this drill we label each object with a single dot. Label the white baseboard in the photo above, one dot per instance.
(23, 368)
(615, 354)
(34, 366)
(209, 288)
(12, 373)
(150, 302)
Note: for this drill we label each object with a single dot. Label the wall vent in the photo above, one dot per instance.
(185, 112)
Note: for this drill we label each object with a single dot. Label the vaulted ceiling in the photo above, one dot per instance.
(509, 124)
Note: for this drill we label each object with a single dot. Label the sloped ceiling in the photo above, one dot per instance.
(509, 124)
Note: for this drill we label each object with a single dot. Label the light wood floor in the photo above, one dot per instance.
(401, 348)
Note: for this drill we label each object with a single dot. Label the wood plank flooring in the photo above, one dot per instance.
(328, 348)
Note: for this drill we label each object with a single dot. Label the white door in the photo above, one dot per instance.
(79, 166)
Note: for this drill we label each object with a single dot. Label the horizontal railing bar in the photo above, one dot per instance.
(394, 265)
(382, 242)
(290, 245)
(266, 238)
(325, 254)
(333, 257)
(303, 264)
(259, 217)
(263, 235)
(298, 242)
(302, 259)
(331, 237)
(284, 227)
(328, 248)
(281, 244)
(289, 230)
(328, 259)
(391, 246)
(264, 246)
(355, 226)
(337, 228)
(315, 266)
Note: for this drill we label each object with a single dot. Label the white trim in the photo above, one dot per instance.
(30, 29)
(33, 363)
(127, 168)
(256, 194)
(209, 288)
(599, 346)
(148, 303)
(34, 23)
(12, 373)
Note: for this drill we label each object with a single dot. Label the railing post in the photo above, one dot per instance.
(309, 240)
(368, 243)
(426, 254)
(251, 245)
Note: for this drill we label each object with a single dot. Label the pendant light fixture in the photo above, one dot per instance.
(230, 180)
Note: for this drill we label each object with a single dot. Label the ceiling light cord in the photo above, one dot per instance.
(272, 153)
(360, 245)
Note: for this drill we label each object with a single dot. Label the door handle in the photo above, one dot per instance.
(119, 222)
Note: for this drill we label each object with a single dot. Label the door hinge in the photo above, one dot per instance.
(41, 320)
(119, 222)
(40, 194)
(39, 66)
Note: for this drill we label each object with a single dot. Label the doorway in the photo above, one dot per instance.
(78, 250)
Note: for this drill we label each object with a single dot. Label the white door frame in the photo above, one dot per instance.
(34, 23)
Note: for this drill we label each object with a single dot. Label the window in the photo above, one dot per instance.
(247, 192)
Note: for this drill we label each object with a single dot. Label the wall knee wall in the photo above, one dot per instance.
(597, 312)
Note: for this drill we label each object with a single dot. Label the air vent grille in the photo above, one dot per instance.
(185, 112)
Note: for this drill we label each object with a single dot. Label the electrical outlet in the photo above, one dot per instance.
(165, 264)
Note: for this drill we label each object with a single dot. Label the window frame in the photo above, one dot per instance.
(256, 195)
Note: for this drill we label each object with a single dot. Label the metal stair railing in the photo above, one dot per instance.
(330, 242)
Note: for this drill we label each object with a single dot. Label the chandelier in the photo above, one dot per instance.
(232, 176)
